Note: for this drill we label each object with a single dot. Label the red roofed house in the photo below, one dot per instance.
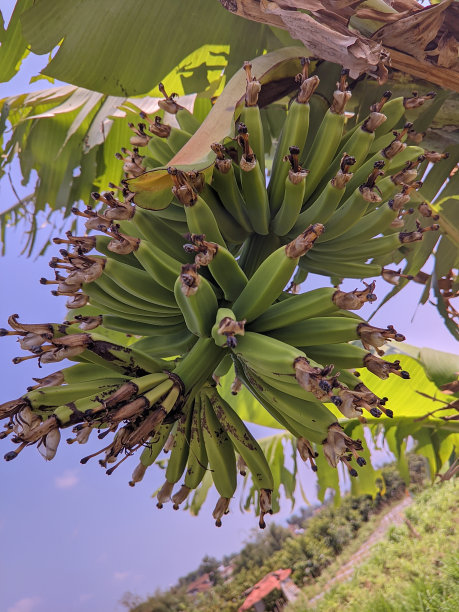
(200, 585)
(279, 580)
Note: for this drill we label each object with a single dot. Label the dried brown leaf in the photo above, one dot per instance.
(412, 34)
(447, 49)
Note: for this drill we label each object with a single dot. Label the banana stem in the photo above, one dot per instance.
(199, 363)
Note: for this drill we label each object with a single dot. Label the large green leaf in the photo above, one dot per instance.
(148, 38)
(13, 46)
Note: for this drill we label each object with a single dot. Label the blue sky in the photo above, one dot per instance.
(72, 538)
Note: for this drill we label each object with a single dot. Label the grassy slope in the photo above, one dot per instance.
(406, 573)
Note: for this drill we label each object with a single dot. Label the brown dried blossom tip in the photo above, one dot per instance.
(372, 123)
(84, 244)
(396, 146)
(371, 402)
(393, 276)
(367, 188)
(156, 126)
(378, 106)
(93, 219)
(348, 400)
(168, 104)
(86, 323)
(304, 242)
(164, 494)
(338, 444)
(122, 244)
(253, 86)
(221, 508)
(189, 279)
(375, 337)
(183, 189)
(248, 159)
(306, 452)
(341, 95)
(343, 175)
(241, 466)
(52, 380)
(236, 386)
(308, 85)
(406, 237)
(140, 137)
(416, 100)
(230, 328)
(314, 379)
(296, 172)
(181, 496)
(265, 506)
(138, 474)
(426, 211)
(409, 172)
(116, 210)
(354, 300)
(132, 162)
(382, 368)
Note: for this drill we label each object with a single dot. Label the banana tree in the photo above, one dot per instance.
(219, 301)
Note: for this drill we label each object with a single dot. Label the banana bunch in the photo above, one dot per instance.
(200, 279)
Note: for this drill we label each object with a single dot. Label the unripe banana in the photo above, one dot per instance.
(294, 133)
(220, 451)
(222, 265)
(244, 442)
(317, 330)
(328, 137)
(288, 312)
(291, 205)
(273, 275)
(196, 299)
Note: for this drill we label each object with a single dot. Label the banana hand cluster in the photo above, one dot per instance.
(195, 277)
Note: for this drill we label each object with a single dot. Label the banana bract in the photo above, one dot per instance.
(187, 278)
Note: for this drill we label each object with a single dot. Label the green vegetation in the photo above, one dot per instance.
(320, 535)
(405, 571)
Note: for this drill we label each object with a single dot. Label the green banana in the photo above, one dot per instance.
(197, 457)
(139, 328)
(265, 353)
(158, 232)
(340, 269)
(225, 184)
(253, 185)
(353, 208)
(317, 330)
(222, 265)
(169, 345)
(341, 355)
(152, 449)
(243, 441)
(273, 275)
(180, 449)
(294, 133)
(291, 205)
(55, 396)
(219, 449)
(327, 202)
(250, 116)
(196, 300)
(160, 266)
(288, 312)
(328, 137)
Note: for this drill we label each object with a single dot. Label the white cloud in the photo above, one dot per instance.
(27, 604)
(121, 575)
(68, 480)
